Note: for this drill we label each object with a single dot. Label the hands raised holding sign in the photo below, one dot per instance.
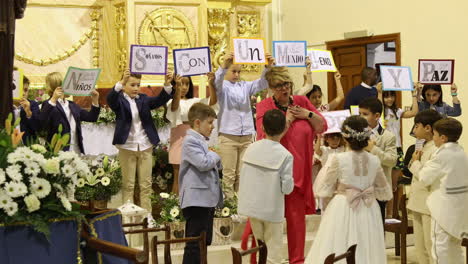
(229, 60)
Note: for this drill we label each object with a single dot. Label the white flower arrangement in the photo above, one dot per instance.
(170, 208)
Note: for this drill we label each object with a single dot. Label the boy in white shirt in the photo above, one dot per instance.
(266, 176)
(445, 175)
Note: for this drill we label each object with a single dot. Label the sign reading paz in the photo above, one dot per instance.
(193, 61)
(396, 78)
(290, 53)
(436, 71)
(321, 60)
(335, 119)
(148, 59)
(80, 82)
(249, 51)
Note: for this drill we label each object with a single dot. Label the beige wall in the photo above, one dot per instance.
(429, 29)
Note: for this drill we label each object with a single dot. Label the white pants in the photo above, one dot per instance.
(446, 249)
(272, 234)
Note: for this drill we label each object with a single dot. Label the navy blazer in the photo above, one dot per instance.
(30, 126)
(53, 116)
(145, 104)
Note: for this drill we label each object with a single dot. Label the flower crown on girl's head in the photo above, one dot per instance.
(360, 136)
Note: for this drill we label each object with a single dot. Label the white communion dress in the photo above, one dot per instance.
(355, 180)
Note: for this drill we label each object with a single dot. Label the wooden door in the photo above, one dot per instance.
(350, 61)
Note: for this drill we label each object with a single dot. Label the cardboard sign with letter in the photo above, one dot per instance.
(193, 61)
(322, 60)
(335, 119)
(80, 82)
(249, 51)
(290, 53)
(436, 71)
(148, 59)
(18, 82)
(396, 78)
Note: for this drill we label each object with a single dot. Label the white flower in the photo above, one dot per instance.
(105, 181)
(11, 209)
(52, 166)
(164, 195)
(5, 200)
(225, 212)
(2, 176)
(159, 179)
(14, 157)
(174, 212)
(32, 203)
(67, 155)
(68, 170)
(14, 172)
(168, 175)
(40, 187)
(15, 189)
(99, 172)
(65, 202)
(80, 183)
(38, 148)
(32, 169)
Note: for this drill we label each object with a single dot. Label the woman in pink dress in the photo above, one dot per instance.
(304, 122)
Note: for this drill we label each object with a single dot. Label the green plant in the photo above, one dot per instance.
(229, 208)
(162, 170)
(170, 208)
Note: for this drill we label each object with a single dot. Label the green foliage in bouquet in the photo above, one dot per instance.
(229, 208)
(106, 116)
(170, 209)
(159, 117)
(104, 181)
(35, 182)
(162, 170)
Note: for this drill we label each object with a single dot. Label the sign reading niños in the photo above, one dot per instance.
(290, 53)
(80, 82)
(436, 71)
(148, 59)
(249, 51)
(321, 60)
(335, 119)
(193, 61)
(396, 78)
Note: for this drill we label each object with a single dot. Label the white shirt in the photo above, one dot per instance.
(137, 138)
(71, 120)
(235, 114)
(394, 123)
(180, 115)
(363, 84)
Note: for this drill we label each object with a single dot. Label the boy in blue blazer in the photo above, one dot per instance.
(199, 183)
(135, 133)
(29, 114)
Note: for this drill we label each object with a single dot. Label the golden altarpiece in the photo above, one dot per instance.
(98, 33)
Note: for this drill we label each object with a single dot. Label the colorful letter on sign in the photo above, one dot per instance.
(193, 61)
(396, 78)
(249, 51)
(436, 71)
(148, 59)
(80, 82)
(18, 82)
(290, 53)
(322, 60)
(335, 119)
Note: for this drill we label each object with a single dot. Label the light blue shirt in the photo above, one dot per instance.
(235, 114)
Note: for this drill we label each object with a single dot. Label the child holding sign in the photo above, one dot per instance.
(58, 111)
(314, 93)
(432, 99)
(177, 114)
(236, 125)
(135, 133)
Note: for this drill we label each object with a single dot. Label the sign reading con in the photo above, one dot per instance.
(335, 119)
(436, 71)
(290, 53)
(193, 61)
(80, 82)
(321, 60)
(148, 59)
(249, 51)
(396, 78)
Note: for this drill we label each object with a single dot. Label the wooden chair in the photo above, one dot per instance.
(167, 252)
(262, 249)
(400, 227)
(145, 231)
(92, 245)
(465, 244)
(349, 255)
